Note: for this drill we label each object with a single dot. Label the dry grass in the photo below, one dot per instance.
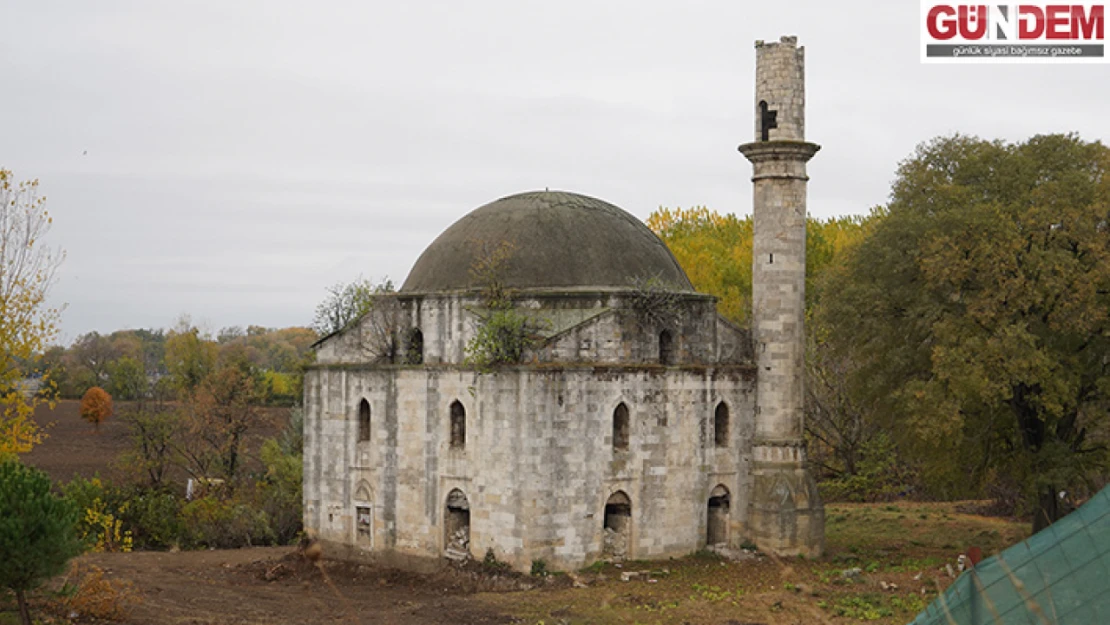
(901, 551)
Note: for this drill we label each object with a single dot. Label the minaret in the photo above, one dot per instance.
(785, 514)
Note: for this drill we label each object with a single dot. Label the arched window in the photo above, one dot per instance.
(363, 421)
(414, 351)
(666, 348)
(720, 425)
(458, 426)
(620, 427)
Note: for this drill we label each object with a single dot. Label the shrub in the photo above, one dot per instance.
(278, 493)
(501, 339)
(154, 518)
(881, 476)
(212, 523)
(100, 508)
(94, 596)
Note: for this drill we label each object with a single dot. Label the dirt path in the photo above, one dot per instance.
(273, 586)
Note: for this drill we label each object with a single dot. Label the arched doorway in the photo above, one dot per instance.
(456, 525)
(617, 526)
(716, 530)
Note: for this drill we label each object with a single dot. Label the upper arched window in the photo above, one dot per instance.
(458, 425)
(666, 348)
(364, 420)
(414, 351)
(620, 426)
(720, 425)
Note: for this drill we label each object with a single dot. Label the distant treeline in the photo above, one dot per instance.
(155, 363)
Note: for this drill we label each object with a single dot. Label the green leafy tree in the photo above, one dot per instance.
(127, 379)
(37, 531)
(189, 356)
(979, 311)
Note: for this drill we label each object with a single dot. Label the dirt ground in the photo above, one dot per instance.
(275, 586)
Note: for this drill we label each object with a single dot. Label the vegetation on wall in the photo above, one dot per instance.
(504, 334)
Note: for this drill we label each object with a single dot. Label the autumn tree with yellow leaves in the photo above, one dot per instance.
(27, 322)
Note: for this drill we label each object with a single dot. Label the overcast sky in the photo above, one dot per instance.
(242, 156)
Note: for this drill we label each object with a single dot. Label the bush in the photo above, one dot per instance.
(501, 339)
(100, 508)
(93, 596)
(154, 518)
(278, 493)
(881, 476)
(212, 523)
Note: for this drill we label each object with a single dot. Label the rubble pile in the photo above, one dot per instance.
(615, 544)
(458, 545)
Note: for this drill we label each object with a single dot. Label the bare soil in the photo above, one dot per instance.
(275, 586)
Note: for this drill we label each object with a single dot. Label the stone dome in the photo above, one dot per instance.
(557, 240)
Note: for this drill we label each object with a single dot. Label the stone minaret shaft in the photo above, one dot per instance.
(786, 515)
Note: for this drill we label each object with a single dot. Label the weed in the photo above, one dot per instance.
(491, 564)
(91, 595)
(539, 568)
(861, 607)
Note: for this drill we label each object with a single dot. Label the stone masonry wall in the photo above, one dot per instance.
(538, 464)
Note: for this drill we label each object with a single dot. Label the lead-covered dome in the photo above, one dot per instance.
(557, 240)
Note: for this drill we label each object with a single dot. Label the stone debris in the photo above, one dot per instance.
(734, 555)
(276, 572)
(851, 573)
(888, 586)
(458, 546)
(615, 544)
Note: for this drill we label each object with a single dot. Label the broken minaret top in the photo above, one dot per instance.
(780, 93)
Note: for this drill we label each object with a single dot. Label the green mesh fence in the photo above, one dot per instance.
(1061, 576)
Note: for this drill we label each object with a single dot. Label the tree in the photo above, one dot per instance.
(37, 531)
(152, 433)
(96, 406)
(346, 303)
(127, 378)
(27, 323)
(979, 310)
(216, 417)
(94, 352)
(715, 251)
(190, 357)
